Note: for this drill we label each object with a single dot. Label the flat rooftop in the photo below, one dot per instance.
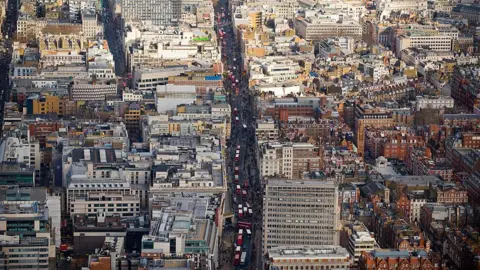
(307, 252)
(300, 183)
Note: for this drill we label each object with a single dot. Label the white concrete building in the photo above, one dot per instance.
(266, 131)
(147, 79)
(26, 210)
(435, 38)
(385, 7)
(274, 71)
(91, 27)
(100, 181)
(434, 102)
(108, 203)
(221, 110)
(13, 149)
(298, 213)
(360, 240)
(129, 95)
(323, 26)
(87, 90)
(308, 257)
(169, 96)
(416, 203)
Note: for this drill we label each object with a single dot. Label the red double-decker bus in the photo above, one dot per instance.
(244, 225)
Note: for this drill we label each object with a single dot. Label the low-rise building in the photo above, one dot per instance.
(356, 238)
(308, 257)
(27, 229)
(321, 27)
(435, 102)
(289, 160)
(92, 90)
(396, 258)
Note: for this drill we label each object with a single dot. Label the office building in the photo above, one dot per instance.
(181, 227)
(106, 181)
(162, 12)
(22, 151)
(308, 257)
(386, 7)
(298, 213)
(319, 28)
(356, 238)
(17, 174)
(27, 231)
(46, 104)
(92, 90)
(435, 38)
(106, 202)
(266, 130)
(169, 96)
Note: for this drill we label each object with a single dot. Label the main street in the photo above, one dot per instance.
(114, 36)
(9, 28)
(242, 135)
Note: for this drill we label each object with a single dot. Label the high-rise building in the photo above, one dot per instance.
(159, 12)
(300, 213)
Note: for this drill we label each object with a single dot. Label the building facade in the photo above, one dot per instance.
(300, 213)
(289, 160)
(164, 12)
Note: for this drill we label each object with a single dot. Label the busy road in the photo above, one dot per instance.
(8, 31)
(245, 186)
(114, 36)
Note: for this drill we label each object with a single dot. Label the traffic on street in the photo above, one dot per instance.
(244, 185)
(8, 30)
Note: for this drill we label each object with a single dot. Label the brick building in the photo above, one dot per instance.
(43, 129)
(391, 144)
(465, 87)
(419, 162)
(396, 259)
(463, 153)
(450, 193)
(369, 116)
(282, 108)
(472, 184)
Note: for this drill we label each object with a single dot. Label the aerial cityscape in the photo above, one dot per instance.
(240, 134)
